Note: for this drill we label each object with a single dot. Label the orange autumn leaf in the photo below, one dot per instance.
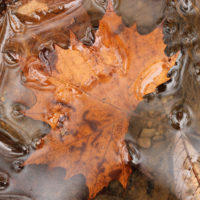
(87, 98)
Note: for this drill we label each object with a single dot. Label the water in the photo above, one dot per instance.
(162, 130)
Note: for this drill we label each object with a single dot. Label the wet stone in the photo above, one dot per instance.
(158, 138)
(144, 143)
(148, 132)
(166, 99)
(160, 131)
(149, 124)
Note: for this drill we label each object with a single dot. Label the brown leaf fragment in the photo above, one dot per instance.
(186, 169)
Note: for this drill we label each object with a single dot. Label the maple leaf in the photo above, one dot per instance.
(87, 97)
